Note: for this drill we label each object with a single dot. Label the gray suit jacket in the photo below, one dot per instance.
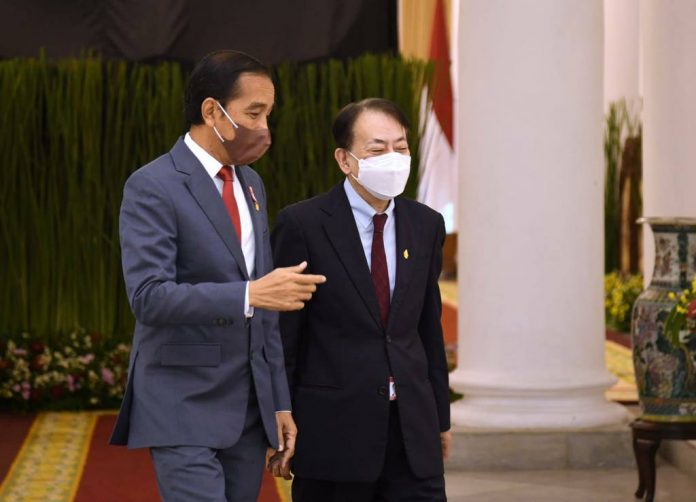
(194, 351)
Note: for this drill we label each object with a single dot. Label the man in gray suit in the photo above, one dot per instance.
(207, 391)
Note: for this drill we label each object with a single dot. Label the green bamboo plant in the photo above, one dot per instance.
(73, 130)
(621, 122)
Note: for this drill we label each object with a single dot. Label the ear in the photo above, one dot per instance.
(209, 108)
(343, 160)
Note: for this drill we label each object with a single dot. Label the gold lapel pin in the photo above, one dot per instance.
(253, 198)
(406, 254)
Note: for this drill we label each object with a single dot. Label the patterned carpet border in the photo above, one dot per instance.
(50, 462)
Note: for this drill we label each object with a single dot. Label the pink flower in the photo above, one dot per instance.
(70, 382)
(16, 387)
(19, 352)
(108, 376)
(86, 359)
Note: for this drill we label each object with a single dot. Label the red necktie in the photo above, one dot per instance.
(378, 268)
(225, 174)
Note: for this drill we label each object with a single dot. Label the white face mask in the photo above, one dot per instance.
(384, 176)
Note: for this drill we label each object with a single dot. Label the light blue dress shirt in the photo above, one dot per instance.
(363, 213)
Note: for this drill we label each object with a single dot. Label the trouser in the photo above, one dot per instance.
(396, 483)
(200, 474)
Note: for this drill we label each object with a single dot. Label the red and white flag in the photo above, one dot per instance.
(438, 161)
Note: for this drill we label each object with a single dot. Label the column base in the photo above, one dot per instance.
(525, 450)
(567, 405)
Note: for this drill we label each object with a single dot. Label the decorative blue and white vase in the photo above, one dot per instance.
(665, 371)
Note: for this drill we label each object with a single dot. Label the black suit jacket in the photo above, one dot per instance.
(337, 354)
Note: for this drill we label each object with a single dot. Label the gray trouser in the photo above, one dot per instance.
(199, 474)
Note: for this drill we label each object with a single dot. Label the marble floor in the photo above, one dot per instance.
(616, 485)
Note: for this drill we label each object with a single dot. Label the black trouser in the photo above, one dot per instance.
(396, 483)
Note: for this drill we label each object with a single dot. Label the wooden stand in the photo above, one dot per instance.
(646, 440)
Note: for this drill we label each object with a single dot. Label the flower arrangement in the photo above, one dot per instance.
(82, 373)
(620, 293)
(681, 322)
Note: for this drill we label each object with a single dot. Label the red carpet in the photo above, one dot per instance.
(623, 339)
(449, 324)
(13, 430)
(114, 474)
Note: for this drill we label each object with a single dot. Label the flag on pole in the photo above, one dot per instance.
(438, 165)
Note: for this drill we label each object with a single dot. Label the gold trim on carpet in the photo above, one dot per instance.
(619, 361)
(448, 293)
(668, 419)
(50, 462)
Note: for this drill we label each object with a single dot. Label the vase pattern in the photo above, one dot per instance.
(664, 371)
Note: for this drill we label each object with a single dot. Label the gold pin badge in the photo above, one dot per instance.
(253, 198)
(406, 254)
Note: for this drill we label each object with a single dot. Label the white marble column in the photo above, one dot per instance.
(530, 258)
(621, 51)
(668, 31)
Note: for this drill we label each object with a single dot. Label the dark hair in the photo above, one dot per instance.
(345, 120)
(215, 76)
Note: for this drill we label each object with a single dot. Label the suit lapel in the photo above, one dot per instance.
(204, 191)
(342, 231)
(256, 222)
(405, 258)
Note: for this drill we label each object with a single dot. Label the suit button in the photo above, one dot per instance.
(388, 339)
(382, 391)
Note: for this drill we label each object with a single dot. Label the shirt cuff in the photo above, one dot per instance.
(284, 411)
(248, 309)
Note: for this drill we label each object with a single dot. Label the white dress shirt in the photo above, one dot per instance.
(212, 167)
(363, 213)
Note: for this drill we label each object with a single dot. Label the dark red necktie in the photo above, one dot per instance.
(378, 268)
(225, 174)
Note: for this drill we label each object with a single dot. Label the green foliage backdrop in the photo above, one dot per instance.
(72, 131)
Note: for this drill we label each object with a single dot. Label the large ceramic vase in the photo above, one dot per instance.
(665, 371)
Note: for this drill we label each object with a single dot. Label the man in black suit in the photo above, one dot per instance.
(365, 359)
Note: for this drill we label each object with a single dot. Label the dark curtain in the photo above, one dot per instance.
(185, 30)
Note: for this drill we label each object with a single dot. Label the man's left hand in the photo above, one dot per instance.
(446, 442)
(278, 463)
